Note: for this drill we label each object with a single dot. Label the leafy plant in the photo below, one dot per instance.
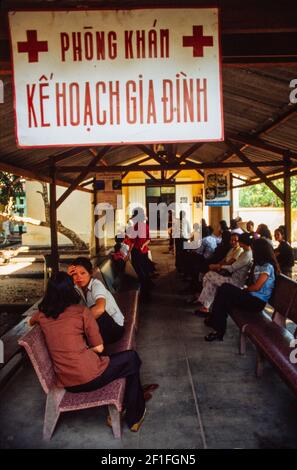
(259, 195)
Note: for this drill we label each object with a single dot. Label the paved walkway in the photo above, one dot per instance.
(208, 396)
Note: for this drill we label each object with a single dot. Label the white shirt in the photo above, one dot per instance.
(238, 230)
(240, 268)
(96, 290)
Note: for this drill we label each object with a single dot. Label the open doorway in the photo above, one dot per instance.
(157, 195)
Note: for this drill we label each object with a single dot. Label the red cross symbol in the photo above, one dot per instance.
(197, 41)
(32, 47)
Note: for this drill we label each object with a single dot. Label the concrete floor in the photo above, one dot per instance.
(208, 396)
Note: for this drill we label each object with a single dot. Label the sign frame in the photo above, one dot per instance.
(111, 8)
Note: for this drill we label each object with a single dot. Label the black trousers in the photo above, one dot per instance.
(109, 329)
(194, 263)
(140, 263)
(123, 364)
(229, 297)
(179, 253)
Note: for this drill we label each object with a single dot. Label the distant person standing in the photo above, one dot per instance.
(6, 231)
(21, 228)
(183, 235)
(284, 252)
(234, 227)
(170, 229)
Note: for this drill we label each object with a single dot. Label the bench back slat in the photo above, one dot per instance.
(284, 292)
(292, 313)
(109, 276)
(36, 348)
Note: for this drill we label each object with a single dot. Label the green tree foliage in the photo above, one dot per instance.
(260, 195)
(10, 186)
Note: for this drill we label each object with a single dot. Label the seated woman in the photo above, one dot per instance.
(264, 232)
(235, 273)
(121, 253)
(232, 255)
(74, 343)
(284, 252)
(99, 300)
(252, 298)
(195, 260)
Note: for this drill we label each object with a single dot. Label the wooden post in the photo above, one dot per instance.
(96, 218)
(231, 207)
(53, 219)
(287, 196)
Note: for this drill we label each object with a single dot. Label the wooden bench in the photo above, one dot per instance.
(269, 334)
(127, 299)
(115, 280)
(12, 351)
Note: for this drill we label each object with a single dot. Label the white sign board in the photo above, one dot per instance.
(94, 77)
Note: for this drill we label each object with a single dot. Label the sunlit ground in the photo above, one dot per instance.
(15, 265)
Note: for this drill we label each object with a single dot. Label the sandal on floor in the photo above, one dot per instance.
(215, 336)
(147, 396)
(193, 301)
(201, 313)
(136, 426)
(150, 387)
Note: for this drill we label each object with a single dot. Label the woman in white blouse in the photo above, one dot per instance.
(98, 299)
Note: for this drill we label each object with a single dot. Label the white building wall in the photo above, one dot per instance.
(74, 213)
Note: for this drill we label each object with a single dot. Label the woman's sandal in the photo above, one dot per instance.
(202, 313)
(215, 336)
(193, 301)
(150, 387)
(136, 426)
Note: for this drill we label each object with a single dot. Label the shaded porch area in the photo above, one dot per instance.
(208, 397)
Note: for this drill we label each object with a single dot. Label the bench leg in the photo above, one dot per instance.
(115, 421)
(242, 343)
(52, 412)
(259, 364)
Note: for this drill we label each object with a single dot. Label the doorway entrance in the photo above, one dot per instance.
(158, 195)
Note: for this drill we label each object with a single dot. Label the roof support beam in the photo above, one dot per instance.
(58, 158)
(173, 175)
(271, 178)
(255, 169)
(185, 166)
(148, 151)
(147, 173)
(31, 175)
(189, 152)
(85, 171)
(161, 182)
(260, 144)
